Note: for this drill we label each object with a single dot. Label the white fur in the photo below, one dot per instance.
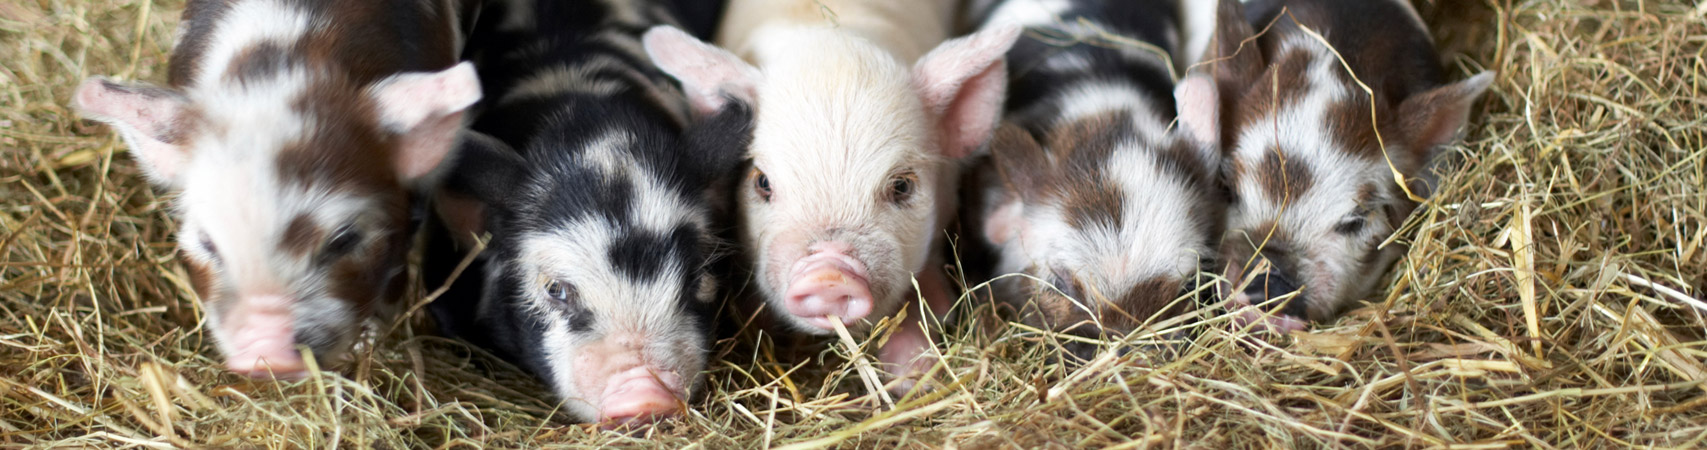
(1028, 12)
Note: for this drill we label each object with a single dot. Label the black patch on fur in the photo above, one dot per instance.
(641, 254)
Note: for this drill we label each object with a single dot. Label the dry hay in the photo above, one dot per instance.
(1544, 302)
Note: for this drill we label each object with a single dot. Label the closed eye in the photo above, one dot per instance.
(1353, 224)
(206, 243)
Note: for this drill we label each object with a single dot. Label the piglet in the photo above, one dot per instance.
(1311, 157)
(1106, 209)
(295, 136)
(599, 204)
(853, 173)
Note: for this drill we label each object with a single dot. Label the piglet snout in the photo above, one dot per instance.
(263, 340)
(1264, 289)
(829, 282)
(638, 396)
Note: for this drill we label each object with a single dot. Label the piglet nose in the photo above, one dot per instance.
(262, 338)
(638, 401)
(828, 283)
(1269, 285)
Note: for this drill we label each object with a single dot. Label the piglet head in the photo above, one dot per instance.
(1108, 216)
(292, 196)
(1311, 166)
(851, 178)
(598, 264)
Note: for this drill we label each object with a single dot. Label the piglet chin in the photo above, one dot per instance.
(638, 396)
(825, 284)
(263, 343)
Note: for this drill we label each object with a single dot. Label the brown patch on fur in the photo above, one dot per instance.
(1083, 148)
(258, 63)
(1140, 303)
(1095, 203)
(201, 278)
(1282, 178)
(1366, 193)
(358, 39)
(199, 20)
(302, 236)
(1084, 145)
(349, 153)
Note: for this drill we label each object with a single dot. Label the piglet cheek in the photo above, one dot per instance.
(262, 338)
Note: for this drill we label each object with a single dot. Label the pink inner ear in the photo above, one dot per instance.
(425, 109)
(707, 73)
(148, 119)
(1199, 108)
(970, 119)
(963, 82)
(464, 216)
(1434, 118)
(1005, 223)
(425, 147)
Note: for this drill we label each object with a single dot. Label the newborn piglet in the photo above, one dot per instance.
(1105, 209)
(297, 136)
(863, 115)
(1311, 156)
(597, 199)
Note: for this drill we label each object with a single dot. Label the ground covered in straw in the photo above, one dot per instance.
(1544, 302)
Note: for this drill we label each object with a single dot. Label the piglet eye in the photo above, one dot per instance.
(559, 291)
(343, 242)
(206, 243)
(1068, 284)
(761, 184)
(1352, 225)
(901, 187)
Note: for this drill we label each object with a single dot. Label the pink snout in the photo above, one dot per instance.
(639, 396)
(262, 339)
(829, 283)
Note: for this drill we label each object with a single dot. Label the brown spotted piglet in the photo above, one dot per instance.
(1105, 210)
(1312, 156)
(296, 135)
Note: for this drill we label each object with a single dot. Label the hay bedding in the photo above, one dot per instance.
(1545, 301)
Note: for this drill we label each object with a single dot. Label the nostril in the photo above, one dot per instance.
(1269, 286)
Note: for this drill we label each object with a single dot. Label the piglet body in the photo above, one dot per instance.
(1312, 157)
(296, 135)
(861, 120)
(597, 196)
(1105, 209)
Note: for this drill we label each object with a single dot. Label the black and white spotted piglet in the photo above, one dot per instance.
(1093, 195)
(597, 200)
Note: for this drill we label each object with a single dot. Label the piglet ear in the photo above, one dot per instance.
(718, 146)
(425, 110)
(1199, 109)
(1431, 119)
(1022, 166)
(709, 75)
(1232, 55)
(963, 83)
(484, 171)
(1020, 161)
(151, 119)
